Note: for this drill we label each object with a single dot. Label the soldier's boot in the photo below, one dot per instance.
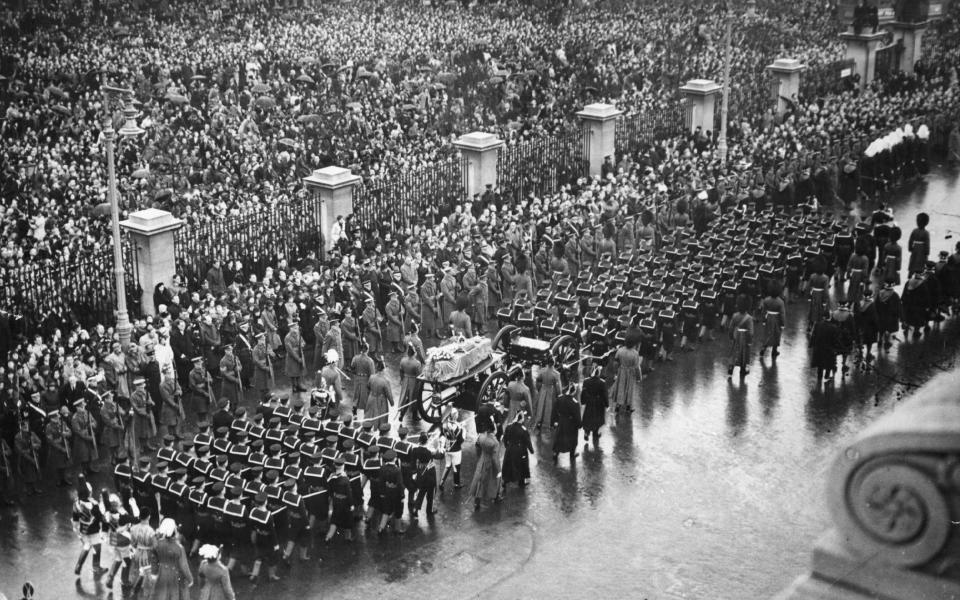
(456, 477)
(256, 570)
(80, 561)
(304, 555)
(272, 574)
(98, 571)
(112, 574)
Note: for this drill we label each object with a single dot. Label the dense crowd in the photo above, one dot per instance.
(238, 102)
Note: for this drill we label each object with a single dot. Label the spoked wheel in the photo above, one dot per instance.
(501, 341)
(431, 406)
(494, 389)
(566, 356)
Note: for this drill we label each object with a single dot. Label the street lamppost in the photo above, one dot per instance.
(751, 11)
(130, 129)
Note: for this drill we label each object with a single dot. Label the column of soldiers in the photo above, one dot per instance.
(266, 487)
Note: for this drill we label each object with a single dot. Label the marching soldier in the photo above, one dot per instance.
(391, 493)
(264, 537)
(88, 521)
(342, 500)
(230, 384)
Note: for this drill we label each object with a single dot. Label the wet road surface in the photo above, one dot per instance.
(712, 489)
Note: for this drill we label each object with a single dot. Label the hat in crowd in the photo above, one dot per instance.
(197, 360)
(139, 381)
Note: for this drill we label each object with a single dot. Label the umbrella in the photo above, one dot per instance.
(58, 92)
(141, 173)
(311, 118)
(591, 89)
(344, 68)
(63, 110)
(160, 159)
(102, 209)
(198, 78)
(260, 88)
(363, 73)
(439, 86)
(164, 193)
(408, 107)
(502, 73)
(496, 80)
(329, 65)
(287, 142)
(305, 78)
(425, 69)
(309, 60)
(265, 102)
(176, 99)
(354, 105)
(332, 111)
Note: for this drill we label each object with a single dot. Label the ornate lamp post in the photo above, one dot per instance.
(751, 12)
(130, 129)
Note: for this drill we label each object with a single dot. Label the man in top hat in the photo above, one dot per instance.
(295, 363)
(231, 382)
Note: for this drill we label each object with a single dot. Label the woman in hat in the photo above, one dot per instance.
(174, 579)
(214, 575)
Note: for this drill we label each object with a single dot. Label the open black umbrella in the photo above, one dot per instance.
(311, 118)
(305, 79)
(260, 88)
(265, 102)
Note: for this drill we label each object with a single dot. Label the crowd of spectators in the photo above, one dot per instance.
(239, 100)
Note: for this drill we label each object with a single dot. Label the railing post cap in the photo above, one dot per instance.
(331, 178)
(478, 140)
(599, 112)
(786, 65)
(700, 87)
(151, 221)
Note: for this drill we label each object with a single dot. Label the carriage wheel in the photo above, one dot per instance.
(494, 389)
(566, 356)
(501, 341)
(431, 407)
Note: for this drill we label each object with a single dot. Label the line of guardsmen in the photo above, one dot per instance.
(270, 479)
(689, 284)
